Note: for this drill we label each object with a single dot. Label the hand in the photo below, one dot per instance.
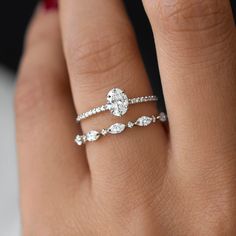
(144, 181)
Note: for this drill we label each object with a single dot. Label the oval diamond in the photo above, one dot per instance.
(144, 121)
(117, 102)
(116, 128)
(92, 135)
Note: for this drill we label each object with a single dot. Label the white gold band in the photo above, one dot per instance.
(118, 128)
(117, 104)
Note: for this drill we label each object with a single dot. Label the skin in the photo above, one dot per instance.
(146, 181)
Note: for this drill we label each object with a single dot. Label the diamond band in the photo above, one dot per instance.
(117, 103)
(118, 128)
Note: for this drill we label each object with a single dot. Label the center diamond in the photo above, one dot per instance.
(117, 102)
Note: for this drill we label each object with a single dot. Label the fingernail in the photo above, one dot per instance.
(50, 4)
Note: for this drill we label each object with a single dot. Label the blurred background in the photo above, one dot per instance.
(14, 17)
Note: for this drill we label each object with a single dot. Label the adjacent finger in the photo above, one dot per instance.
(195, 43)
(102, 54)
(51, 167)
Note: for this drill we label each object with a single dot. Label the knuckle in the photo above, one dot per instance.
(36, 83)
(34, 37)
(37, 38)
(40, 31)
(198, 30)
(100, 58)
(193, 15)
(28, 93)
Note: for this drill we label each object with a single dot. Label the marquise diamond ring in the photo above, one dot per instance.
(117, 103)
(118, 128)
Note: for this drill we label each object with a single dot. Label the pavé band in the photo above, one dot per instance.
(118, 128)
(117, 103)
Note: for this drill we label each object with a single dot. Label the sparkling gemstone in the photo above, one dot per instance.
(79, 140)
(92, 135)
(117, 102)
(130, 124)
(104, 132)
(144, 121)
(84, 138)
(163, 117)
(116, 128)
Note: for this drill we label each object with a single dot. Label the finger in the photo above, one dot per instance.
(51, 167)
(102, 54)
(196, 50)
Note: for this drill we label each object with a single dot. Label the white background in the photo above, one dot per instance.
(9, 210)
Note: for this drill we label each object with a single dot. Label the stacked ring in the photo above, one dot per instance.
(118, 104)
(118, 128)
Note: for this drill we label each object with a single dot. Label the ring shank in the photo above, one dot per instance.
(103, 108)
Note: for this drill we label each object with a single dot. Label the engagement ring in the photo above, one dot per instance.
(117, 103)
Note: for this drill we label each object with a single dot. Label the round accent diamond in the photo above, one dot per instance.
(130, 124)
(163, 117)
(104, 132)
(79, 140)
(117, 102)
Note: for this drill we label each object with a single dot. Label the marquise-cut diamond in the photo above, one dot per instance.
(92, 135)
(117, 102)
(116, 128)
(144, 121)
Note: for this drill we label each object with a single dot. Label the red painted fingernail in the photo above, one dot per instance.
(50, 4)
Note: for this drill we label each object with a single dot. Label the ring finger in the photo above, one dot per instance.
(102, 54)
